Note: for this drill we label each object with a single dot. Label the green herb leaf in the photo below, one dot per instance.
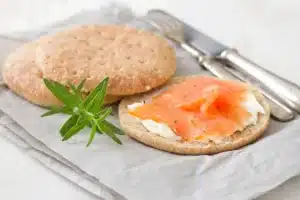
(104, 113)
(55, 109)
(112, 127)
(72, 121)
(92, 134)
(74, 130)
(108, 132)
(95, 105)
(95, 99)
(50, 112)
(83, 113)
(80, 85)
(100, 116)
(73, 88)
(101, 112)
(61, 92)
(75, 92)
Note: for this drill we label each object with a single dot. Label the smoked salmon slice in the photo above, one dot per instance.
(199, 107)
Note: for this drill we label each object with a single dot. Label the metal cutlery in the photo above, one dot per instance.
(173, 30)
(288, 92)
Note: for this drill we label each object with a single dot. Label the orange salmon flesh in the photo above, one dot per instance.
(198, 107)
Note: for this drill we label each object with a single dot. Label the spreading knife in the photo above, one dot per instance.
(285, 90)
(173, 30)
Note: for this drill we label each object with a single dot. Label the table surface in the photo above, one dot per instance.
(257, 28)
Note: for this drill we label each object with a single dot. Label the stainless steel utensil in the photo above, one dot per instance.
(288, 92)
(174, 30)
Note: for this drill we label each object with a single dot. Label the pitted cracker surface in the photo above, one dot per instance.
(134, 60)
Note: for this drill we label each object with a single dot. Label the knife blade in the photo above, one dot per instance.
(285, 90)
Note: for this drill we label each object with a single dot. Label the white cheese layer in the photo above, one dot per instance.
(134, 105)
(253, 107)
(159, 128)
(250, 104)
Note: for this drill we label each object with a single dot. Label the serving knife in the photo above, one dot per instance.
(285, 90)
(173, 30)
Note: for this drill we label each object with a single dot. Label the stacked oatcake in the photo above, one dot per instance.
(134, 60)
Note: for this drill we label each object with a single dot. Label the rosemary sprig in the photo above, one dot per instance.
(84, 112)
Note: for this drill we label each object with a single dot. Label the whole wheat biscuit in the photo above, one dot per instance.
(134, 60)
(22, 75)
(134, 128)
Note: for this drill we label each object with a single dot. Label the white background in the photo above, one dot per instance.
(266, 31)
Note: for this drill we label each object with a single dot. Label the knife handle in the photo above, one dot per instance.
(278, 110)
(288, 92)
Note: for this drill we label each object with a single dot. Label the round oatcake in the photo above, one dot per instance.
(134, 128)
(134, 60)
(22, 75)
